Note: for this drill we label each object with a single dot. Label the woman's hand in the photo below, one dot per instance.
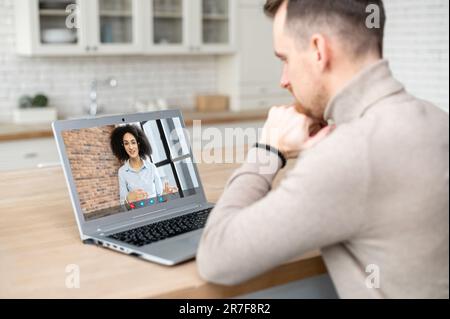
(136, 196)
(169, 189)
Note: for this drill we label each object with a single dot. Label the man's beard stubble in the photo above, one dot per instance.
(314, 111)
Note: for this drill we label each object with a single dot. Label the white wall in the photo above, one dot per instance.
(66, 80)
(417, 45)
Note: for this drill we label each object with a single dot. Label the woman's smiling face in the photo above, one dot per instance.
(131, 146)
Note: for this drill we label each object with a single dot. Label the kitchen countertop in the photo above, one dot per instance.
(11, 131)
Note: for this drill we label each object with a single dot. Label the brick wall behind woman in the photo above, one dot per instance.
(94, 167)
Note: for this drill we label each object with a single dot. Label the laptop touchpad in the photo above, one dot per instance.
(176, 249)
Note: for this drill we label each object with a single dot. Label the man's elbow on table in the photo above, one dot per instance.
(214, 268)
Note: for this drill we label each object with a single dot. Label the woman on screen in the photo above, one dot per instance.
(138, 177)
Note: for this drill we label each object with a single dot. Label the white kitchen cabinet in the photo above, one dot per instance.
(112, 27)
(215, 30)
(26, 154)
(190, 26)
(115, 26)
(166, 30)
(252, 76)
(91, 27)
(259, 69)
(50, 28)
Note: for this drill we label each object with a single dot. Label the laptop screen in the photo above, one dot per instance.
(120, 168)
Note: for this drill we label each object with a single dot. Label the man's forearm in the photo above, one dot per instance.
(249, 184)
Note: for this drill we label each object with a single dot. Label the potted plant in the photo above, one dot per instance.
(34, 110)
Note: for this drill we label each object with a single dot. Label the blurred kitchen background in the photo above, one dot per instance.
(212, 58)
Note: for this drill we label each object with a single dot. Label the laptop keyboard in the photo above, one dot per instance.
(165, 229)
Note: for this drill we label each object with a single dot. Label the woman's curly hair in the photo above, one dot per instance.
(118, 148)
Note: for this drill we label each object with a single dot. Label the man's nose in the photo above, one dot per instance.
(284, 81)
(284, 85)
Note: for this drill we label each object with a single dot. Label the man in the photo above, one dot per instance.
(371, 190)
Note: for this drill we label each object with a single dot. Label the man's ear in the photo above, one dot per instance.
(321, 51)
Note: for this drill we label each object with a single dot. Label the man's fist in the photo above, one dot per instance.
(292, 132)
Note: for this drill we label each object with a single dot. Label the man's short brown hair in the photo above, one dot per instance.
(347, 18)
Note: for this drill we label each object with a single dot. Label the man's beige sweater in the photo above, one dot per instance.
(373, 196)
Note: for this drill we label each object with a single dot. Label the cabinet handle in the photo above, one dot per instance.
(31, 155)
(88, 48)
(195, 49)
(94, 48)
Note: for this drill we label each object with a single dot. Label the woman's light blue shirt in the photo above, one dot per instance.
(146, 179)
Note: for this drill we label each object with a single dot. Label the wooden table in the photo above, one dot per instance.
(39, 239)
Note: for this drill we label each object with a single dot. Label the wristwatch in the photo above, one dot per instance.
(273, 150)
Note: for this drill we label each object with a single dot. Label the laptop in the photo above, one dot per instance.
(134, 184)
